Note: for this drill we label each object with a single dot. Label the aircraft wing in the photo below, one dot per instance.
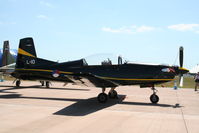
(91, 80)
(8, 67)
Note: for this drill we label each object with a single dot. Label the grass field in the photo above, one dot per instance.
(188, 83)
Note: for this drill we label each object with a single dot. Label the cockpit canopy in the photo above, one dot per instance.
(99, 59)
(104, 59)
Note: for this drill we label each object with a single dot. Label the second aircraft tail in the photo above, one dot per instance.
(7, 58)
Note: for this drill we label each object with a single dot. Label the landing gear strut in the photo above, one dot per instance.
(18, 82)
(42, 83)
(103, 97)
(154, 98)
(47, 84)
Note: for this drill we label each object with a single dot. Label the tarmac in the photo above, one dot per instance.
(75, 109)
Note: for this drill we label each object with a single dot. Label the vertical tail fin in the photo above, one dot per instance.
(26, 52)
(26, 47)
(6, 50)
(27, 57)
(7, 58)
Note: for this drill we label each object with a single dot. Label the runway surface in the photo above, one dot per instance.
(74, 109)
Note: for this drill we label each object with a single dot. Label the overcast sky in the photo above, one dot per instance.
(140, 30)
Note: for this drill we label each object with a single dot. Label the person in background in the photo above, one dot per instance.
(196, 78)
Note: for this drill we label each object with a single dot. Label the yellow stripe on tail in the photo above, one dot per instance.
(21, 51)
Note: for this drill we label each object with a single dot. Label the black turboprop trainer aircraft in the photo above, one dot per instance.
(29, 67)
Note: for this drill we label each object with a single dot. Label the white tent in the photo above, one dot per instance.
(195, 69)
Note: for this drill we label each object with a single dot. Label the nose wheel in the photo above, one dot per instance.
(154, 98)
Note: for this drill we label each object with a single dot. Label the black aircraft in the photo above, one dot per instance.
(105, 75)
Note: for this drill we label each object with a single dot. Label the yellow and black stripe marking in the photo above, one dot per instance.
(108, 78)
(111, 78)
(43, 70)
(23, 52)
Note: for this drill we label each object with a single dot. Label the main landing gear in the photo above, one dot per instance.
(103, 97)
(154, 98)
(45, 83)
(42, 83)
(18, 82)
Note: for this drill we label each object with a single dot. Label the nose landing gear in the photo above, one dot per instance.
(154, 98)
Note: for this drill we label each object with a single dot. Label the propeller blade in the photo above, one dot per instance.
(181, 56)
(181, 81)
(181, 69)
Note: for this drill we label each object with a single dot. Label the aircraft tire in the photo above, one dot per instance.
(47, 84)
(102, 97)
(42, 83)
(18, 82)
(154, 98)
(113, 94)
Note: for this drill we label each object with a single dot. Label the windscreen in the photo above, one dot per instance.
(105, 59)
